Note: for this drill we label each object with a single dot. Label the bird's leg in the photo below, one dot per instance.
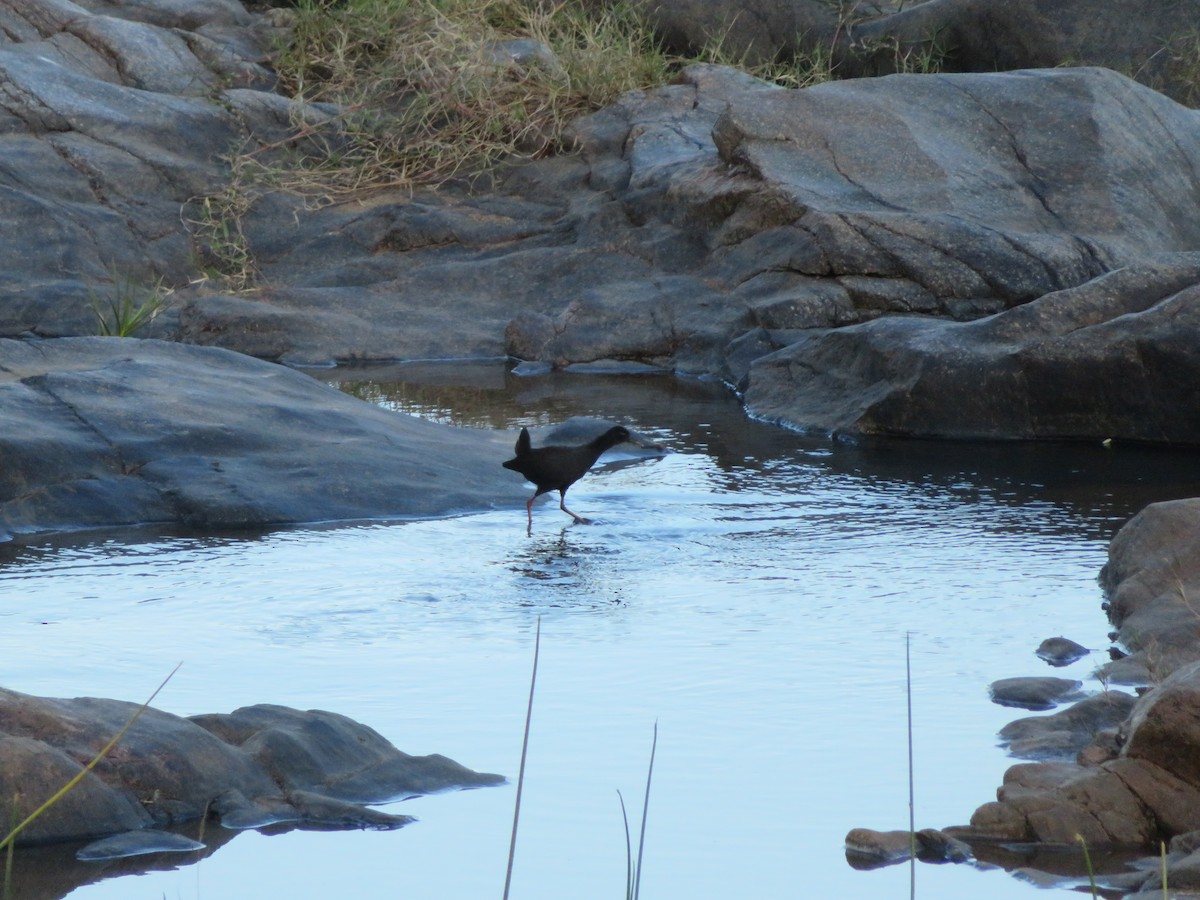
(529, 516)
(562, 504)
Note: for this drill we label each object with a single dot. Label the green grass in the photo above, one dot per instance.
(128, 305)
(1087, 863)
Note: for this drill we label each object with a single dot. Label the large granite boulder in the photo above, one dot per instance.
(707, 224)
(1153, 41)
(257, 766)
(1098, 361)
(121, 431)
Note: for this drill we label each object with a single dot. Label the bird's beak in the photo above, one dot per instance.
(640, 440)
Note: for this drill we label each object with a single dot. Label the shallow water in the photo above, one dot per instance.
(751, 592)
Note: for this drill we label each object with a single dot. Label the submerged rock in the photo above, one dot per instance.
(1065, 733)
(869, 849)
(1061, 651)
(1033, 692)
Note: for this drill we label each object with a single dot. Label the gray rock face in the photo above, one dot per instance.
(713, 222)
(1152, 574)
(116, 115)
(956, 35)
(982, 36)
(1097, 361)
(120, 431)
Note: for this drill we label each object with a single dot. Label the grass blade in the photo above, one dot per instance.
(1087, 861)
(628, 850)
(8, 853)
(912, 815)
(637, 878)
(512, 846)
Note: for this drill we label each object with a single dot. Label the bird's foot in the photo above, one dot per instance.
(580, 520)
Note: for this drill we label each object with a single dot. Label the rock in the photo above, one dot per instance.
(1151, 790)
(755, 30)
(1182, 875)
(954, 35)
(111, 126)
(938, 846)
(1186, 843)
(1033, 693)
(1114, 339)
(1105, 745)
(1061, 651)
(294, 766)
(1152, 573)
(294, 747)
(112, 431)
(869, 849)
(1065, 733)
(1164, 726)
(981, 36)
(829, 233)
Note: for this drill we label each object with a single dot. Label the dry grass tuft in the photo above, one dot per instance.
(429, 90)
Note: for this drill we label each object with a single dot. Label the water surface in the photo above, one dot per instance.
(751, 593)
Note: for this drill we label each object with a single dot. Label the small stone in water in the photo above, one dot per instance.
(1061, 651)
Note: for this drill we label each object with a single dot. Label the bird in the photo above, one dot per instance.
(557, 468)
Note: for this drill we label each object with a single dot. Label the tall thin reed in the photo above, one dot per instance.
(512, 846)
(912, 816)
(633, 867)
(1087, 862)
(10, 839)
(8, 853)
